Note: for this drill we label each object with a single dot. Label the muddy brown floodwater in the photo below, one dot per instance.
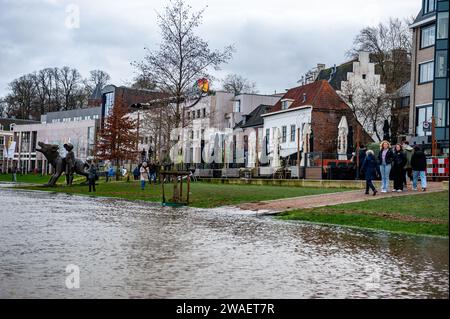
(137, 250)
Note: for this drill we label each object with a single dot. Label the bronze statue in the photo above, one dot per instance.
(51, 153)
(69, 163)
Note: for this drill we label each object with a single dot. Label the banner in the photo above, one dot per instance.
(11, 150)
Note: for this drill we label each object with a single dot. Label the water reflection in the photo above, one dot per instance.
(140, 250)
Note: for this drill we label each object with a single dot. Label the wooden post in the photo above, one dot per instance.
(256, 151)
(188, 188)
(298, 152)
(357, 150)
(433, 137)
(162, 185)
(181, 187)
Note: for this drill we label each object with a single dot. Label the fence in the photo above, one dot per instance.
(437, 167)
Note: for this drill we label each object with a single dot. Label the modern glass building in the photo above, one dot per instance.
(429, 76)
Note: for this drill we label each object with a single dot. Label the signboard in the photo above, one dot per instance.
(426, 126)
(11, 150)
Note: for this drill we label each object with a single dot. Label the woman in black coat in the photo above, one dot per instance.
(370, 170)
(398, 163)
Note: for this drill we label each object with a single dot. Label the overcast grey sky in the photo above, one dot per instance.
(276, 41)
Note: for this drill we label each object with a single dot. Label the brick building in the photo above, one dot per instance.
(316, 106)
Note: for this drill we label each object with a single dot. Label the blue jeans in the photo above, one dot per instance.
(142, 184)
(385, 169)
(423, 179)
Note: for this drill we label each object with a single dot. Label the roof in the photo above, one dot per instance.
(405, 90)
(423, 18)
(97, 93)
(254, 118)
(6, 122)
(319, 95)
(336, 74)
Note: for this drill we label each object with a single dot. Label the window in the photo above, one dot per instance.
(193, 115)
(442, 25)
(283, 134)
(439, 112)
(237, 106)
(404, 101)
(427, 36)
(441, 64)
(292, 133)
(95, 117)
(198, 113)
(284, 105)
(267, 135)
(426, 72)
(109, 102)
(429, 6)
(1, 127)
(364, 76)
(423, 115)
(204, 112)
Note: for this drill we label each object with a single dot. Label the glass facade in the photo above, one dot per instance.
(441, 82)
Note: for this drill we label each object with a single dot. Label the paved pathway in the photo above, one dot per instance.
(279, 205)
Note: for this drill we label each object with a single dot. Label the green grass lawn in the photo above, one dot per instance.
(27, 178)
(202, 194)
(419, 214)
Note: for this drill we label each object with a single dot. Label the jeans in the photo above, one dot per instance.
(142, 184)
(423, 179)
(385, 169)
(152, 177)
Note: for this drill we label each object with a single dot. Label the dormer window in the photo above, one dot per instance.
(285, 104)
(11, 126)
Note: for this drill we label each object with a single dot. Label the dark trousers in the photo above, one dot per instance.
(398, 174)
(91, 185)
(370, 185)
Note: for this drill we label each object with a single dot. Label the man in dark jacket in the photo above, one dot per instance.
(419, 167)
(369, 168)
(361, 157)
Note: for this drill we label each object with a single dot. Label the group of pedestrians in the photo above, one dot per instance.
(145, 172)
(395, 164)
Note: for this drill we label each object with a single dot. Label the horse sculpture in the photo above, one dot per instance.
(51, 153)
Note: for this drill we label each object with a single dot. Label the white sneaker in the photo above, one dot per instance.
(415, 189)
(384, 191)
(399, 191)
(394, 190)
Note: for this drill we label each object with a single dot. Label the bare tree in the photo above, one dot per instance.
(390, 47)
(370, 104)
(183, 57)
(20, 98)
(237, 84)
(69, 81)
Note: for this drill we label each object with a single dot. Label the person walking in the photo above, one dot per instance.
(92, 175)
(144, 174)
(385, 160)
(419, 167)
(152, 173)
(136, 173)
(408, 170)
(369, 168)
(398, 171)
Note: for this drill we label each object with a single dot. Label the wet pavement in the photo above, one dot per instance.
(141, 250)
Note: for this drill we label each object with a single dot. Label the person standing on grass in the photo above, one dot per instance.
(110, 173)
(408, 171)
(144, 174)
(92, 175)
(136, 173)
(369, 168)
(398, 164)
(419, 167)
(385, 160)
(152, 173)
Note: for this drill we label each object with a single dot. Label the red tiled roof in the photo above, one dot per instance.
(319, 94)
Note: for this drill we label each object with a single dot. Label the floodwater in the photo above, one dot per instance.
(138, 250)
